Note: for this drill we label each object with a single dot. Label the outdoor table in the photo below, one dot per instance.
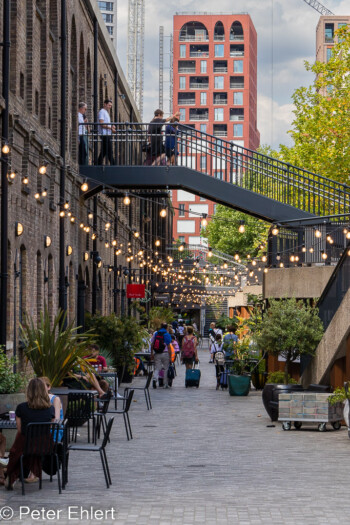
(6, 424)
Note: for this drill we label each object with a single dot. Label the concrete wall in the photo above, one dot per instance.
(300, 282)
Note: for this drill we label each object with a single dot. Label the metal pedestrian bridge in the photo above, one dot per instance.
(213, 168)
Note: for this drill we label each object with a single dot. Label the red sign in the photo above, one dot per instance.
(135, 291)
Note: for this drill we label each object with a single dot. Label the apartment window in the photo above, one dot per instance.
(219, 82)
(219, 50)
(106, 6)
(203, 99)
(329, 33)
(329, 53)
(203, 66)
(238, 130)
(110, 29)
(182, 51)
(203, 162)
(107, 18)
(238, 66)
(182, 82)
(340, 25)
(181, 210)
(203, 128)
(182, 112)
(238, 98)
(219, 114)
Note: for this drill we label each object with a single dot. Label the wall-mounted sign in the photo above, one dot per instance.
(135, 291)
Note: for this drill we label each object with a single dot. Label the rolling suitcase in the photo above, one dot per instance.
(193, 377)
(224, 379)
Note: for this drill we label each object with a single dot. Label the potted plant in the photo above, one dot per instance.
(12, 384)
(55, 348)
(288, 329)
(241, 365)
(120, 338)
(158, 315)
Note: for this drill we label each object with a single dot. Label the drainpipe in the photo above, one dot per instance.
(62, 277)
(94, 242)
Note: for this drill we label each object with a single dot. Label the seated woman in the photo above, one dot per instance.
(37, 409)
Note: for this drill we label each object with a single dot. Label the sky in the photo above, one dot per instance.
(286, 32)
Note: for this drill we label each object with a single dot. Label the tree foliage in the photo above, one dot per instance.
(290, 329)
(223, 235)
(321, 128)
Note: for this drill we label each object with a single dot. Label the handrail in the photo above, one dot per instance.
(230, 162)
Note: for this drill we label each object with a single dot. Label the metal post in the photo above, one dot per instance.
(16, 274)
(116, 102)
(94, 263)
(115, 262)
(95, 93)
(4, 168)
(94, 242)
(62, 276)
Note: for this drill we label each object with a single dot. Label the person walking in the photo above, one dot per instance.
(171, 132)
(230, 339)
(106, 129)
(159, 353)
(180, 332)
(83, 135)
(155, 137)
(211, 335)
(189, 349)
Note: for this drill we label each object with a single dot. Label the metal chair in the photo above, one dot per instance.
(41, 441)
(145, 388)
(126, 406)
(100, 414)
(99, 448)
(80, 408)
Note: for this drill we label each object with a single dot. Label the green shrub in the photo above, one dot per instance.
(279, 377)
(10, 382)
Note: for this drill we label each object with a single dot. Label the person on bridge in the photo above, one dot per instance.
(106, 129)
(171, 150)
(155, 137)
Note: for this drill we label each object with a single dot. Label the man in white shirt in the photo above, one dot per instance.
(106, 129)
(83, 137)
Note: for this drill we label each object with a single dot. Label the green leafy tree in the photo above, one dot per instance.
(321, 128)
(223, 235)
(158, 315)
(290, 329)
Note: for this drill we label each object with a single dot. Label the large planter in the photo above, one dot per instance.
(238, 385)
(270, 396)
(259, 380)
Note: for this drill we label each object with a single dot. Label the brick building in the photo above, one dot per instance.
(35, 102)
(215, 91)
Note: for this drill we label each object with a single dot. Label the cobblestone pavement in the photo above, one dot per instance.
(201, 457)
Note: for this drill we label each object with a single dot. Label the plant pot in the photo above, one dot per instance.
(238, 385)
(123, 375)
(9, 402)
(259, 380)
(270, 395)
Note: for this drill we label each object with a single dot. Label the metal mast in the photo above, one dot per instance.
(171, 77)
(135, 50)
(319, 7)
(161, 66)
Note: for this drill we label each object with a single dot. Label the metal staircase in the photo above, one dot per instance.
(218, 170)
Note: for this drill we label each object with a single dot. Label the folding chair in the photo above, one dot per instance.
(98, 448)
(41, 441)
(80, 408)
(126, 406)
(145, 388)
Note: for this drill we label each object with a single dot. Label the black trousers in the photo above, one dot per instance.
(106, 149)
(83, 150)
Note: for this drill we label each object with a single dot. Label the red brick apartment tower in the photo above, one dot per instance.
(215, 90)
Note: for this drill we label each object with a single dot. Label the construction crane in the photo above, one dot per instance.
(135, 50)
(319, 7)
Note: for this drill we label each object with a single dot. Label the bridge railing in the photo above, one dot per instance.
(141, 144)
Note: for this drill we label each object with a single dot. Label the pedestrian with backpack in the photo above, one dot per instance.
(159, 353)
(189, 349)
(180, 332)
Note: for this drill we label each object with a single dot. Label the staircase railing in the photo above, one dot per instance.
(137, 144)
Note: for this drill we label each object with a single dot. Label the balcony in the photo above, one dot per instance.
(199, 82)
(186, 99)
(199, 51)
(187, 66)
(199, 114)
(237, 50)
(236, 82)
(236, 114)
(193, 32)
(220, 99)
(220, 66)
(236, 38)
(220, 130)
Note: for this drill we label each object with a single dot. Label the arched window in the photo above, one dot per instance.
(219, 31)
(193, 31)
(54, 67)
(236, 31)
(74, 88)
(43, 102)
(89, 86)
(82, 76)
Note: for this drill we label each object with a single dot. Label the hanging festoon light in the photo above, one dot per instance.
(241, 227)
(5, 148)
(84, 186)
(44, 192)
(318, 233)
(163, 212)
(303, 248)
(25, 179)
(210, 252)
(157, 242)
(264, 258)
(204, 221)
(43, 168)
(126, 199)
(12, 175)
(66, 205)
(275, 229)
(324, 255)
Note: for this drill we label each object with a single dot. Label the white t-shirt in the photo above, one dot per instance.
(181, 330)
(82, 129)
(104, 115)
(217, 331)
(216, 347)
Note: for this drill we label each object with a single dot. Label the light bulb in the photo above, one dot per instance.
(157, 243)
(5, 149)
(84, 186)
(66, 205)
(25, 180)
(36, 195)
(275, 230)
(126, 200)
(163, 212)
(241, 228)
(44, 192)
(42, 169)
(318, 233)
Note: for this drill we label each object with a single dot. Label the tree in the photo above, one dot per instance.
(321, 128)
(223, 235)
(290, 329)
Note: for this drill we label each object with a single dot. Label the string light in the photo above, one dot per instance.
(25, 180)
(126, 199)
(5, 148)
(241, 228)
(204, 221)
(275, 229)
(84, 186)
(163, 212)
(318, 234)
(42, 169)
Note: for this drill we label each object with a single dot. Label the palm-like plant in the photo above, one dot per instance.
(55, 349)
